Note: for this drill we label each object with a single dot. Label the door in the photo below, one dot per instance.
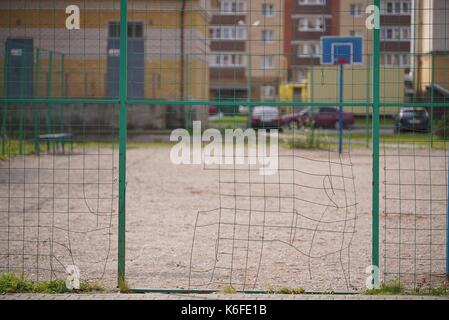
(19, 67)
(136, 60)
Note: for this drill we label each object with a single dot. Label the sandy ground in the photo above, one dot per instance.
(194, 226)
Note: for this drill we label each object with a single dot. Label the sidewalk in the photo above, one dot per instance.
(154, 296)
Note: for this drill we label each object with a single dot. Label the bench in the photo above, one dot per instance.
(57, 139)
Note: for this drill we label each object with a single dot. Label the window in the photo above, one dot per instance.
(312, 2)
(267, 35)
(303, 24)
(390, 7)
(267, 62)
(227, 33)
(405, 34)
(395, 60)
(396, 7)
(395, 34)
(267, 10)
(311, 24)
(225, 7)
(232, 6)
(312, 49)
(389, 34)
(114, 30)
(135, 30)
(356, 10)
(227, 60)
(406, 60)
(319, 23)
(405, 7)
(268, 92)
(302, 75)
(241, 33)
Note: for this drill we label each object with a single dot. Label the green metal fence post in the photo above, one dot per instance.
(22, 95)
(376, 140)
(37, 118)
(49, 110)
(122, 138)
(249, 82)
(61, 106)
(432, 97)
(5, 94)
(368, 98)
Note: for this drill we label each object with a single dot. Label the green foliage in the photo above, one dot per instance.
(395, 288)
(229, 290)
(11, 283)
(442, 291)
(309, 139)
(391, 288)
(442, 127)
(12, 149)
(287, 291)
(123, 285)
(92, 287)
(291, 291)
(230, 120)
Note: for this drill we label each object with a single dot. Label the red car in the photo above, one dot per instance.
(323, 117)
(213, 111)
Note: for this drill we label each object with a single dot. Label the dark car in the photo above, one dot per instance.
(413, 120)
(324, 117)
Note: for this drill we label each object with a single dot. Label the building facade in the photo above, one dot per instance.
(227, 59)
(167, 52)
(396, 34)
(247, 59)
(306, 21)
(266, 48)
(431, 50)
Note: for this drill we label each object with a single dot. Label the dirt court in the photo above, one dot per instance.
(198, 227)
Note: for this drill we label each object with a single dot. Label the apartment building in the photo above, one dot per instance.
(396, 34)
(227, 59)
(306, 21)
(353, 23)
(266, 48)
(431, 49)
(246, 58)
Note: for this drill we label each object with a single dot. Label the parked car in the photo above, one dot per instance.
(265, 118)
(243, 110)
(213, 110)
(324, 117)
(293, 120)
(412, 119)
